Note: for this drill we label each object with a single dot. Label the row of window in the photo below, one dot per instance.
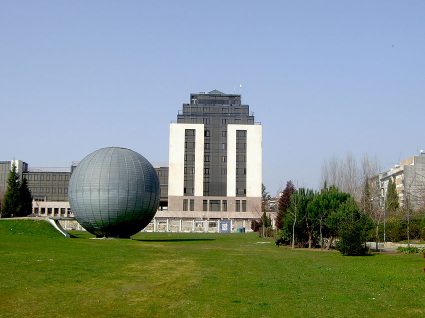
(221, 205)
(47, 177)
(207, 121)
(207, 133)
(223, 171)
(207, 145)
(52, 211)
(190, 191)
(214, 205)
(207, 158)
(49, 190)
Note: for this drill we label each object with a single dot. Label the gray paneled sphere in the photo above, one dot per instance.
(114, 192)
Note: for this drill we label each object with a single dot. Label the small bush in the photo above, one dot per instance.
(410, 250)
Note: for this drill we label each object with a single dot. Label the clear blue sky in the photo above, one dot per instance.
(323, 77)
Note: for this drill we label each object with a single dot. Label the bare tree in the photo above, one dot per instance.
(347, 175)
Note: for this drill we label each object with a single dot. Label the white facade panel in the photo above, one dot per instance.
(176, 158)
(253, 159)
(231, 159)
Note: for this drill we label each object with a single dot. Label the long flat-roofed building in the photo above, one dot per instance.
(215, 160)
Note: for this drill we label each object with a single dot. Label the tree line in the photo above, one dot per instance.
(320, 219)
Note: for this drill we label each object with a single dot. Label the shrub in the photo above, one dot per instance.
(410, 250)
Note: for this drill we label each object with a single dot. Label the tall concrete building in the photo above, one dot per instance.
(409, 177)
(215, 160)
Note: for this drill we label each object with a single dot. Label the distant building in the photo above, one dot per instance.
(409, 177)
(215, 161)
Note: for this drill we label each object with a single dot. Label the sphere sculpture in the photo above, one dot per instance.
(114, 192)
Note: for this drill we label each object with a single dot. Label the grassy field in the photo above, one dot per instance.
(43, 274)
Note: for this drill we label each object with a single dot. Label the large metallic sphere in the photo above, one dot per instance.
(114, 192)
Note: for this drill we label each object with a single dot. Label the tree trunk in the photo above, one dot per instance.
(293, 232)
(309, 232)
(309, 239)
(330, 242)
(377, 238)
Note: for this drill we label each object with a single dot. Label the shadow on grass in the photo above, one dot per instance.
(175, 240)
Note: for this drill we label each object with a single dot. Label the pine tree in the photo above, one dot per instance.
(11, 197)
(391, 201)
(283, 204)
(25, 199)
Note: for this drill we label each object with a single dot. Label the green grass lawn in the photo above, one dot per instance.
(43, 274)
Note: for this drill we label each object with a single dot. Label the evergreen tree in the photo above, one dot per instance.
(11, 197)
(25, 199)
(353, 229)
(391, 201)
(329, 203)
(283, 203)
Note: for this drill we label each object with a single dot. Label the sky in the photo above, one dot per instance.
(324, 78)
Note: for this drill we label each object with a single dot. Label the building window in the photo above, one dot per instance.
(189, 145)
(223, 146)
(224, 205)
(206, 133)
(207, 158)
(223, 158)
(192, 205)
(215, 205)
(189, 170)
(243, 205)
(224, 133)
(206, 146)
(184, 204)
(238, 205)
(189, 132)
(240, 133)
(224, 121)
(188, 191)
(205, 205)
(223, 171)
(206, 170)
